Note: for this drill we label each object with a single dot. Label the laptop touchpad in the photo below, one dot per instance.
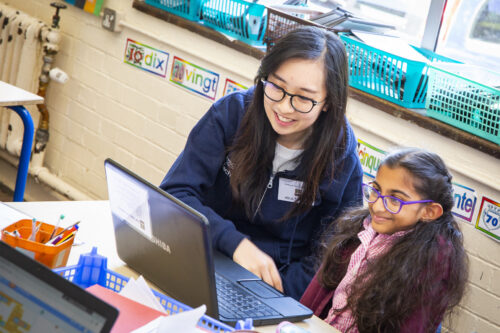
(260, 288)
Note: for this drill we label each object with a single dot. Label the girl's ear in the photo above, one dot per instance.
(432, 211)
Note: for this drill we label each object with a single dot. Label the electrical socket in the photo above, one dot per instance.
(109, 20)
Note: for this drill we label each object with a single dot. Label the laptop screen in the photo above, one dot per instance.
(30, 301)
(161, 238)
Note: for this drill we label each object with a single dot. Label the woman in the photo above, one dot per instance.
(270, 165)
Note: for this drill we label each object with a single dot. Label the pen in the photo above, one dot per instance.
(62, 233)
(57, 226)
(65, 239)
(34, 230)
(9, 233)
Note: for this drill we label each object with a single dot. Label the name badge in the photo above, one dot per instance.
(289, 190)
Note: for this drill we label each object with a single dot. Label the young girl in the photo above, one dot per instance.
(267, 165)
(398, 265)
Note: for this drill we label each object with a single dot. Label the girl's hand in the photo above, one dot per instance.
(252, 258)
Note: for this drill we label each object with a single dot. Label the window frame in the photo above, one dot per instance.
(433, 24)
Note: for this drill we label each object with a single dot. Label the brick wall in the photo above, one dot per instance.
(111, 109)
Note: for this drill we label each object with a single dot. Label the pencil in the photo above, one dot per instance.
(63, 231)
(62, 240)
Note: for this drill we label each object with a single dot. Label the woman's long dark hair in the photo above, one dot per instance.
(252, 152)
(425, 269)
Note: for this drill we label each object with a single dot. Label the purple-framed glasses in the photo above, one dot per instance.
(392, 204)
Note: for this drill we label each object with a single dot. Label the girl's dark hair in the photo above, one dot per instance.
(425, 269)
(252, 152)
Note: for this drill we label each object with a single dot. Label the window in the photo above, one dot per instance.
(471, 32)
(407, 16)
(487, 25)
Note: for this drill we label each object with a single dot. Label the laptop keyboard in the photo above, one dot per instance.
(236, 303)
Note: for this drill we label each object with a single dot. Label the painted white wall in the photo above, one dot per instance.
(111, 109)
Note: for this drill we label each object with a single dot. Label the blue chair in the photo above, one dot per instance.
(24, 159)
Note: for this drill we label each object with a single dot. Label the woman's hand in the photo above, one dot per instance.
(252, 258)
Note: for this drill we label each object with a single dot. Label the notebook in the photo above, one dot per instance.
(133, 315)
(169, 243)
(33, 298)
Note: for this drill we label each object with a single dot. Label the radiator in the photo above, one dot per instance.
(21, 61)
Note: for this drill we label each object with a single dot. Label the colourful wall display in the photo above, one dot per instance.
(90, 6)
(231, 86)
(194, 78)
(370, 158)
(464, 202)
(488, 219)
(146, 58)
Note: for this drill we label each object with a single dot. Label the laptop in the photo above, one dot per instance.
(33, 298)
(169, 243)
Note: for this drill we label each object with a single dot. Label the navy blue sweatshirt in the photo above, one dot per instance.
(200, 178)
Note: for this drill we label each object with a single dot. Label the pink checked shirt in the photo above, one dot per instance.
(372, 245)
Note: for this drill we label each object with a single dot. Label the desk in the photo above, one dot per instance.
(14, 98)
(96, 215)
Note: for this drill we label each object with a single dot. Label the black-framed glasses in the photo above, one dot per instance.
(299, 103)
(392, 204)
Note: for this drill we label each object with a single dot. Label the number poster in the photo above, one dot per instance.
(488, 220)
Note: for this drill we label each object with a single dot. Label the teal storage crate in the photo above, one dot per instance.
(242, 20)
(92, 269)
(391, 77)
(188, 9)
(455, 98)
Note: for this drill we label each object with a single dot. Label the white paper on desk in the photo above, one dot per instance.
(9, 215)
(139, 291)
(180, 322)
(393, 45)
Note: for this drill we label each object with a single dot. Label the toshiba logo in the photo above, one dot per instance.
(161, 244)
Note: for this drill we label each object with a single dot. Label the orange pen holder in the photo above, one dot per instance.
(52, 256)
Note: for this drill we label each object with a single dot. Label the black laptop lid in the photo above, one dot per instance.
(33, 298)
(149, 243)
